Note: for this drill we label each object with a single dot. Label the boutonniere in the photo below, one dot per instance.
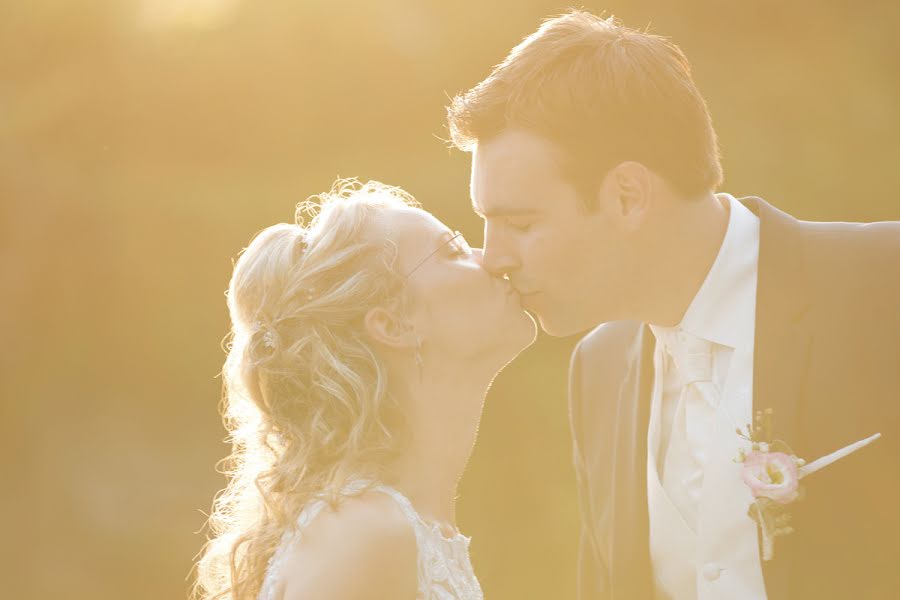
(773, 473)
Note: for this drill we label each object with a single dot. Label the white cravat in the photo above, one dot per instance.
(687, 426)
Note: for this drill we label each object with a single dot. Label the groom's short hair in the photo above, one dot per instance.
(604, 94)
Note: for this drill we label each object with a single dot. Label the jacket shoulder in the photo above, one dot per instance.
(867, 254)
(879, 235)
(598, 365)
(607, 338)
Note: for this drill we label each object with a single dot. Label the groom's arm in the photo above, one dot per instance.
(592, 582)
(592, 574)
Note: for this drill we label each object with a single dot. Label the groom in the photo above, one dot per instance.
(594, 167)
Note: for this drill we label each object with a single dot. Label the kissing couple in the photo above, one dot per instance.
(734, 402)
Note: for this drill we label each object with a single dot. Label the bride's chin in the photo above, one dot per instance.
(524, 334)
(509, 343)
(531, 326)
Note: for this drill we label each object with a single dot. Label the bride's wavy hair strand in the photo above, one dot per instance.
(305, 399)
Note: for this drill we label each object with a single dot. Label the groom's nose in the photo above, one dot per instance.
(497, 256)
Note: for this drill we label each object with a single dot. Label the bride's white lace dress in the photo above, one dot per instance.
(445, 571)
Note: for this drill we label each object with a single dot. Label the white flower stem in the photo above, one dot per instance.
(823, 462)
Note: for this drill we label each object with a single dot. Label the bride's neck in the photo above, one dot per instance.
(443, 410)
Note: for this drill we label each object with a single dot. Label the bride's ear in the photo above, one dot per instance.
(385, 328)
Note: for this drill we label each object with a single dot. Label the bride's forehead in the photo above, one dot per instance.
(412, 226)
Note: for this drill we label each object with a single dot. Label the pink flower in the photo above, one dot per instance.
(772, 475)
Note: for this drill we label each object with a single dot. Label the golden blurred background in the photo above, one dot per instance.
(143, 142)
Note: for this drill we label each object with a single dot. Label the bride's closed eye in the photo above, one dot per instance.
(459, 247)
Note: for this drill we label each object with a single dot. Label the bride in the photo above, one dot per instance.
(363, 344)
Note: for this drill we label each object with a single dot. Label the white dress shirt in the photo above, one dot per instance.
(702, 543)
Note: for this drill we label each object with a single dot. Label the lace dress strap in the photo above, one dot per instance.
(405, 505)
(444, 569)
(292, 535)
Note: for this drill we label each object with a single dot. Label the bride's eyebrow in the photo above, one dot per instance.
(442, 240)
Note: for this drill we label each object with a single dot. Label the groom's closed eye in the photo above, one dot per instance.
(520, 223)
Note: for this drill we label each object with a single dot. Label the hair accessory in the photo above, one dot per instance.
(269, 339)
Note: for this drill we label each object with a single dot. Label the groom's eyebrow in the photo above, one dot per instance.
(500, 211)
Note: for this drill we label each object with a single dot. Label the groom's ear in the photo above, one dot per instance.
(626, 194)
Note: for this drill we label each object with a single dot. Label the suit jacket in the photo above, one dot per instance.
(826, 360)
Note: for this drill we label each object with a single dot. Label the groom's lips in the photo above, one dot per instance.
(527, 295)
(524, 293)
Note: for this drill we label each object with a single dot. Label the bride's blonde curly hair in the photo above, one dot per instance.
(305, 394)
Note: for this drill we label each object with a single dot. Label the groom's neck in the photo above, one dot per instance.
(691, 239)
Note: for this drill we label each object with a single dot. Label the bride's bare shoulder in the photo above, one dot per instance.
(366, 548)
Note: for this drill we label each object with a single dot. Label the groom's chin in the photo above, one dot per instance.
(560, 326)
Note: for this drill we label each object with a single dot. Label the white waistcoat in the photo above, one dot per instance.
(720, 560)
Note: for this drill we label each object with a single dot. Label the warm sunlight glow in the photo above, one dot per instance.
(198, 14)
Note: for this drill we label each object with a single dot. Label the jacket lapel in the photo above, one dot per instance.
(630, 568)
(781, 352)
(781, 349)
